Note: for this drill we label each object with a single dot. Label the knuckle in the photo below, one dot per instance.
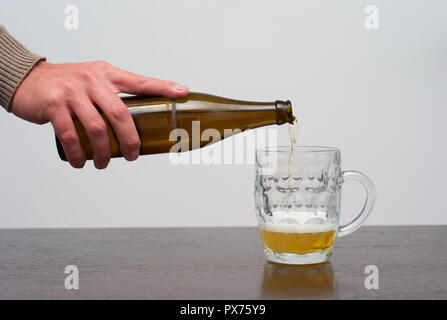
(141, 83)
(120, 113)
(133, 144)
(97, 127)
(67, 88)
(55, 99)
(102, 65)
(85, 74)
(69, 138)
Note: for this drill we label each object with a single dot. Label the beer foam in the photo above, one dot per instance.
(297, 222)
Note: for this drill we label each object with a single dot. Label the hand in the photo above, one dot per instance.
(57, 93)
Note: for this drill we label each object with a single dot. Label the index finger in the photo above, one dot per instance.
(128, 82)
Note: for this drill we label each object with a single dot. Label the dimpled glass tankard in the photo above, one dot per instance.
(297, 200)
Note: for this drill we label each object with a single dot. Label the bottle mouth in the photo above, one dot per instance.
(284, 112)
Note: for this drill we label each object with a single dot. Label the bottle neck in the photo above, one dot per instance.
(284, 112)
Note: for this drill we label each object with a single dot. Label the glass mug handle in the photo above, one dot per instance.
(367, 207)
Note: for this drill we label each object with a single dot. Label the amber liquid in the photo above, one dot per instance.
(293, 135)
(299, 242)
(156, 117)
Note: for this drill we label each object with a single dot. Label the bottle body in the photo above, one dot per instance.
(175, 125)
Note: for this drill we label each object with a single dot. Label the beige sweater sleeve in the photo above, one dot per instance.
(16, 62)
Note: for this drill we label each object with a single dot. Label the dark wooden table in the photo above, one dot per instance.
(217, 263)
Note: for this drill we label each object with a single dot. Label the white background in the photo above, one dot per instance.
(380, 96)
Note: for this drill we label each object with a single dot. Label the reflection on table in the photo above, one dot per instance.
(298, 281)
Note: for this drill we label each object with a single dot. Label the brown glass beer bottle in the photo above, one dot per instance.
(168, 125)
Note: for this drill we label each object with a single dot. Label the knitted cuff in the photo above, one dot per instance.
(16, 62)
